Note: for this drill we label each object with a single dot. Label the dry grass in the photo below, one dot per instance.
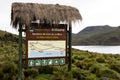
(53, 13)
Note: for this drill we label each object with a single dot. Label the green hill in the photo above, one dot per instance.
(97, 35)
(6, 36)
(85, 66)
(2, 33)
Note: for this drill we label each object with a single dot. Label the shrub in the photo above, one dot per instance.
(62, 75)
(115, 66)
(1, 74)
(81, 64)
(9, 70)
(100, 59)
(81, 57)
(84, 65)
(76, 74)
(73, 60)
(90, 60)
(95, 68)
(46, 69)
(89, 64)
(108, 73)
(30, 73)
(80, 74)
(91, 77)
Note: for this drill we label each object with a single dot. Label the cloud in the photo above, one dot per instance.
(94, 12)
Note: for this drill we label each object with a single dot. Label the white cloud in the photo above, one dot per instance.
(94, 12)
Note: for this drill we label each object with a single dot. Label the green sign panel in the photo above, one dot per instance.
(38, 62)
(31, 63)
(46, 62)
(50, 62)
(62, 61)
(56, 61)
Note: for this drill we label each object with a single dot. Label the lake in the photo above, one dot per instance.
(100, 49)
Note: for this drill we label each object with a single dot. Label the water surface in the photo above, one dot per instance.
(100, 49)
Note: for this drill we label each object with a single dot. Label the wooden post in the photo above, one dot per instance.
(70, 51)
(20, 52)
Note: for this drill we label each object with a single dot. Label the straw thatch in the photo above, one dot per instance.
(25, 12)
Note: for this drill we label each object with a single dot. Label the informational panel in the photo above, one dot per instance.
(46, 44)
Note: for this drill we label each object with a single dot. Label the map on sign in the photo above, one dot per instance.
(46, 48)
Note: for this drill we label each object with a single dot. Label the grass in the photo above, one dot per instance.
(43, 77)
(2, 33)
(85, 66)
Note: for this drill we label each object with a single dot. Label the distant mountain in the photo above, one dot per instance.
(91, 35)
(97, 35)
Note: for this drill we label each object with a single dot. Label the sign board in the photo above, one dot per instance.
(46, 44)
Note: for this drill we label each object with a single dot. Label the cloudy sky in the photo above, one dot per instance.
(94, 12)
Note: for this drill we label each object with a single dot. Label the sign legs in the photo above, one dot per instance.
(20, 54)
(70, 51)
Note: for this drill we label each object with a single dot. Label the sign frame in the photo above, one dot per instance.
(38, 30)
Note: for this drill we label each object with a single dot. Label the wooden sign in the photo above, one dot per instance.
(46, 44)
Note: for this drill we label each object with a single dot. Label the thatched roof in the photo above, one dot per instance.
(53, 13)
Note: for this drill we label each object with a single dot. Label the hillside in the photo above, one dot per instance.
(85, 66)
(97, 35)
(6, 36)
(2, 33)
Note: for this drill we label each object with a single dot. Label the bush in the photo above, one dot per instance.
(1, 74)
(84, 65)
(30, 73)
(95, 68)
(89, 65)
(9, 70)
(81, 57)
(77, 74)
(73, 60)
(102, 71)
(80, 74)
(46, 69)
(90, 60)
(91, 77)
(61, 73)
(108, 73)
(81, 64)
(59, 76)
(115, 66)
(100, 59)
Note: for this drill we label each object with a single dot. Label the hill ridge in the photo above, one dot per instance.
(96, 35)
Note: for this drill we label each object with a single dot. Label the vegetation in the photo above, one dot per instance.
(98, 35)
(6, 36)
(85, 66)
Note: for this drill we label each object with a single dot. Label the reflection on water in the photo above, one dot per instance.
(100, 49)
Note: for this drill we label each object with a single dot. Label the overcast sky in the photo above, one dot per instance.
(94, 12)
